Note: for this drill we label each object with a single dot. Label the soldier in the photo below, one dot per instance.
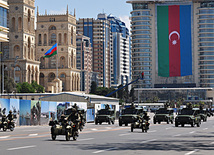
(132, 105)
(10, 116)
(62, 120)
(75, 106)
(145, 116)
(107, 106)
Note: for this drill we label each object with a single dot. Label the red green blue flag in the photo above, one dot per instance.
(174, 40)
(51, 52)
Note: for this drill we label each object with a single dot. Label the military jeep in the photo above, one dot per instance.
(105, 115)
(188, 116)
(164, 115)
(129, 115)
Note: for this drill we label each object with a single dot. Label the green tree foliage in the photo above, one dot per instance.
(9, 85)
(93, 87)
(25, 87)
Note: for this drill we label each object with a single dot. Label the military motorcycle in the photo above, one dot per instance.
(69, 129)
(140, 124)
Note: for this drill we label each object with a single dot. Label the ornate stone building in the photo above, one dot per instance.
(20, 56)
(23, 56)
(60, 29)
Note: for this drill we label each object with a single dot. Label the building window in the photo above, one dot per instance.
(3, 17)
(53, 38)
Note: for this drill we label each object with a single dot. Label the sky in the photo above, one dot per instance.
(87, 8)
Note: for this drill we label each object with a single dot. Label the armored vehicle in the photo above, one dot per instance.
(188, 116)
(105, 115)
(203, 114)
(129, 115)
(164, 115)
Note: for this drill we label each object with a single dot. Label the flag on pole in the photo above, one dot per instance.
(174, 40)
(51, 52)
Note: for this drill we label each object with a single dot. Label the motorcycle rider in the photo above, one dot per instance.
(63, 120)
(146, 117)
(10, 116)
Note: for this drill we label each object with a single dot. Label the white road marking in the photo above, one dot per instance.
(108, 127)
(205, 128)
(152, 131)
(105, 150)
(3, 137)
(177, 135)
(191, 152)
(30, 130)
(85, 139)
(151, 140)
(36, 134)
(94, 129)
(23, 147)
(192, 132)
(125, 134)
(168, 128)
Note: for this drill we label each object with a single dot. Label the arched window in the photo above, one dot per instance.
(65, 38)
(71, 35)
(29, 45)
(51, 77)
(29, 19)
(62, 62)
(52, 28)
(16, 51)
(13, 24)
(53, 38)
(60, 39)
(42, 64)
(42, 79)
(40, 39)
(19, 23)
(45, 39)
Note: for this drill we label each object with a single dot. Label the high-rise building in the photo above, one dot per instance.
(3, 21)
(120, 53)
(189, 31)
(111, 49)
(20, 56)
(98, 30)
(60, 29)
(84, 62)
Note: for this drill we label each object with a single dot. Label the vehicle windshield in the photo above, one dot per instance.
(104, 112)
(186, 112)
(129, 111)
(162, 111)
(203, 112)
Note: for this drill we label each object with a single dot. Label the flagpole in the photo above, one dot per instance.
(57, 63)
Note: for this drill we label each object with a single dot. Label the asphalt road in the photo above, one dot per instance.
(105, 139)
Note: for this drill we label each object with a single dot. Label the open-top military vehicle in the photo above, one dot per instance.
(105, 115)
(130, 114)
(188, 116)
(164, 115)
(65, 127)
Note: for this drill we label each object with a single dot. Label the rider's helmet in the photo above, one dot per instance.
(10, 111)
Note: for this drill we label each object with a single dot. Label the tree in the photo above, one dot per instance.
(25, 87)
(132, 94)
(9, 85)
(93, 87)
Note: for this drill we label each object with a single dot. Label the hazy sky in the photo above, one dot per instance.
(87, 8)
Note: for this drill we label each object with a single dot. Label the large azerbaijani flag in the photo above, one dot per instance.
(51, 52)
(174, 40)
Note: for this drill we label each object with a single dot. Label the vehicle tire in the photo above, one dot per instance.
(4, 128)
(100, 123)
(171, 121)
(11, 128)
(120, 123)
(53, 137)
(75, 136)
(146, 129)
(167, 121)
(176, 124)
(159, 122)
(132, 128)
(126, 124)
(96, 122)
(192, 124)
(198, 124)
(142, 129)
(112, 122)
(154, 121)
(109, 122)
(182, 125)
(67, 136)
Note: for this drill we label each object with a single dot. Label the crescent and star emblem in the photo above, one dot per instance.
(174, 42)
